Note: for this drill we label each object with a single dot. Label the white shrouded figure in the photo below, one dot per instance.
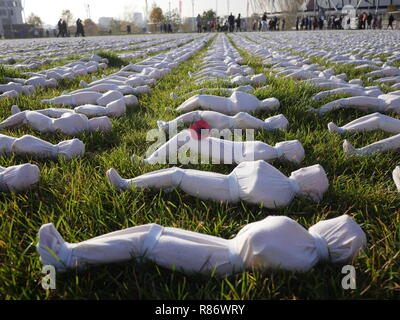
(247, 89)
(224, 151)
(32, 146)
(114, 109)
(12, 86)
(351, 91)
(68, 123)
(276, 242)
(396, 177)
(371, 122)
(385, 103)
(18, 178)
(217, 120)
(238, 102)
(82, 98)
(385, 145)
(255, 182)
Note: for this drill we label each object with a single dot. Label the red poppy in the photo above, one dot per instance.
(200, 129)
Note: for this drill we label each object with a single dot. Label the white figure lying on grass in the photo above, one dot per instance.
(255, 182)
(238, 102)
(96, 98)
(18, 178)
(32, 146)
(56, 120)
(224, 151)
(276, 242)
(385, 103)
(217, 120)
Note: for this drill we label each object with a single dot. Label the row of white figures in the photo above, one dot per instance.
(51, 49)
(296, 67)
(276, 242)
(49, 78)
(152, 47)
(71, 122)
(223, 62)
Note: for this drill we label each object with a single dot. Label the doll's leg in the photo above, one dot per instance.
(205, 185)
(350, 91)
(185, 118)
(244, 120)
(92, 110)
(215, 103)
(385, 145)
(169, 247)
(14, 121)
(360, 103)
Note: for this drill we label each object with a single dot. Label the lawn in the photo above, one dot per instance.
(78, 199)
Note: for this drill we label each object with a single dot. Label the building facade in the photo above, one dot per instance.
(10, 15)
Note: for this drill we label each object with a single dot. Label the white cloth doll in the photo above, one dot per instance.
(385, 103)
(275, 243)
(18, 178)
(82, 98)
(238, 102)
(255, 182)
(224, 151)
(105, 87)
(12, 86)
(217, 120)
(247, 89)
(385, 145)
(69, 123)
(32, 146)
(396, 177)
(114, 109)
(351, 91)
(371, 122)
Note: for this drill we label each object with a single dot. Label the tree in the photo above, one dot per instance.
(173, 18)
(68, 17)
(208, 16)
(156, 15)
(115, 25)
(35, 20)
(91, 28)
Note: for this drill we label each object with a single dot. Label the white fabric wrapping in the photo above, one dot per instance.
(255, 182)
(18, 178)
(371, 122)
(217, 120)
(273, 243)
(238, 102)
(69, 123)
(32, 146)
(224, 151)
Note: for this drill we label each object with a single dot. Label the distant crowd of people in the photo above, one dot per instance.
(219, 24)
(166, 28)
(62, 27)
(274, 23)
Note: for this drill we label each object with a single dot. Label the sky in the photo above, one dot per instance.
(50, 10)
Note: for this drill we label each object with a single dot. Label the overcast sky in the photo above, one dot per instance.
(49, 10)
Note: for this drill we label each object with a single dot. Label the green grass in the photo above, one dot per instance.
(77, 198)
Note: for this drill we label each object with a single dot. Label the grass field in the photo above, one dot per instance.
(77, 198)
